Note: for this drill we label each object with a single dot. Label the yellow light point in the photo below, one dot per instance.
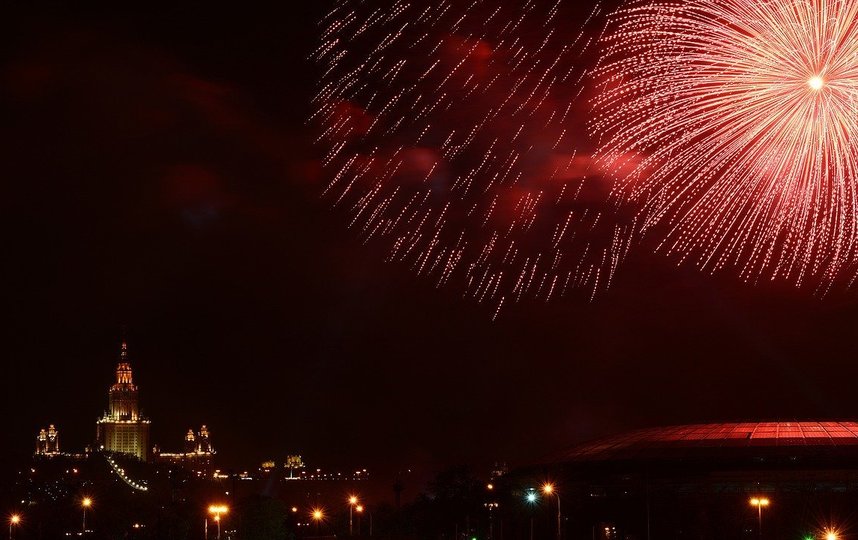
(318, 514)
(816, 83)
(86, 502)
(218, 509)
(359, 509)
(490, 487)
(831, 535)
(353, 500)
(548, 489)
(15, 519)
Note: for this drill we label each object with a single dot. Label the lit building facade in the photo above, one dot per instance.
(197, 455)
(48, 442)
(122, 429)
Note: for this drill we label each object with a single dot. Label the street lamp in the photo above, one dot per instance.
(531, 499)
(491, 506)
(217, 510)
(353, 500)
(14, 520)
(549, 490)
(831, 535)
(359, 510)
(318, 516)
(760, 502)
(85, 503)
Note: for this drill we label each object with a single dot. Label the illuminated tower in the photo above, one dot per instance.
(122, 429)
(190, 442)
(204, 446)
(48, 441)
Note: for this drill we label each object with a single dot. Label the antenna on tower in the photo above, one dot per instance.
(123, 352)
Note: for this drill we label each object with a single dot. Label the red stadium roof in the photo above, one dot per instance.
(718, 436)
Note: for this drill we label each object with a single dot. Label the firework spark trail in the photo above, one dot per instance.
(449, 131)
(733, 124)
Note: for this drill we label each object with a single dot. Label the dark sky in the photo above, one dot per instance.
(158, 174)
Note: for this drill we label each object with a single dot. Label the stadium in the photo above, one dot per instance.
(771, 480)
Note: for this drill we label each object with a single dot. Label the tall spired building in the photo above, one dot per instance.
(122, 429)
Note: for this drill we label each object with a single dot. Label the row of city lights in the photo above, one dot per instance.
(762, 502)
(318, 514)
(16, 519)
(121, 473)
(758, 502)
(216, 510)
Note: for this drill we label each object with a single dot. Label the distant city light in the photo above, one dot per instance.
(531, 497)
(218, 509)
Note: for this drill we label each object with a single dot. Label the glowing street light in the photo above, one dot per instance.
(14, 520)
(217, 510)
(359, 510)
(318, 516)
(548, 489)
(353, 500)
(85, 503)
(531, 497)
(831, 535)
(760, 502)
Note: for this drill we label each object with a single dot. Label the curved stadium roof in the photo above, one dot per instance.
(699, 439)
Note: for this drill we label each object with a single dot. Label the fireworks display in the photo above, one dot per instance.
(732, 124)
(454, 135)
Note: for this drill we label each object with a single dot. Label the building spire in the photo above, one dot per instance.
(123, 352)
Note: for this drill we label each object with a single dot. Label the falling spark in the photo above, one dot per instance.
(732, 123)
(449, 131)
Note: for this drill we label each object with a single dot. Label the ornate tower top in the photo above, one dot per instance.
(123, 393)
(123, 370)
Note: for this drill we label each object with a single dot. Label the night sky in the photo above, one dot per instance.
(159, 175)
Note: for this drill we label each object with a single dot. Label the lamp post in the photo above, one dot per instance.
(353, 500)
(85, 503)
(531, 499)
(359, 510)
(318, 516)
(217, 510)
(14, 520)
(491, 506)
(548, 489)
(760, 502)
